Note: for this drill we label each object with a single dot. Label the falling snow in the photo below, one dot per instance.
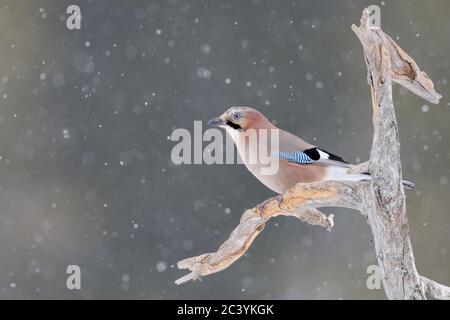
(86, 175)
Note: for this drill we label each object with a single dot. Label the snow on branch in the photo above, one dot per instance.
(381, 201)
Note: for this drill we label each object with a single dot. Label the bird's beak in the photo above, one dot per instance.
(216, 122)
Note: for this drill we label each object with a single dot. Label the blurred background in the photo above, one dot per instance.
(85, 171)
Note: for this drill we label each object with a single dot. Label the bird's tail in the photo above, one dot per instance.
(340, 174)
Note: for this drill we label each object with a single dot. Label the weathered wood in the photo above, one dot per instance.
(385, 199)
(404, 70)
(298, 202)
(434, 290)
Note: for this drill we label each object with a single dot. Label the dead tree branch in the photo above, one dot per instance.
(299, 201)
(381, 200)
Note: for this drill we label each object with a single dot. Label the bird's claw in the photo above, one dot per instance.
(280, 202)
(196, 277)
(330, 220)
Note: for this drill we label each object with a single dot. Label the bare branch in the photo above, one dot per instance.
(313, 217)
(232, 249)
(434, 290)
(299, 202)
(404, 69)
(359, 168)
(385, 199)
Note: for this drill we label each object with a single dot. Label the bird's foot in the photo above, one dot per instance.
(280, 202)
(330, 220)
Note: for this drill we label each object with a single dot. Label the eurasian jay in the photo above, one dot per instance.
(299, 161)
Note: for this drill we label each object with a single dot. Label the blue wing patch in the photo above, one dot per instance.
(295, 157)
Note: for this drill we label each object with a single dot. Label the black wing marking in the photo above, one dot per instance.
(312, 156)
(321, 156)
(313, 153)
(333, 157)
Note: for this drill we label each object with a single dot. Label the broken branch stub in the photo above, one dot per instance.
(404, 70)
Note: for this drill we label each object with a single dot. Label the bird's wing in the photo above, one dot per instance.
(312, 156)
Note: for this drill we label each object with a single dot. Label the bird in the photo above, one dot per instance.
(298, 160)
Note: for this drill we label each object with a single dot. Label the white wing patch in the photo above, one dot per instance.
(323, 155)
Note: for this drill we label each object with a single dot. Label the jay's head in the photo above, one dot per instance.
(239, 119)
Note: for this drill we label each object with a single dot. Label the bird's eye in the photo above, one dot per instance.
(237, 116)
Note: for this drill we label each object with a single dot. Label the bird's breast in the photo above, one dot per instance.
(278, 175)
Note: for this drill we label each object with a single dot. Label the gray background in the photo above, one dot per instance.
(85, 170)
